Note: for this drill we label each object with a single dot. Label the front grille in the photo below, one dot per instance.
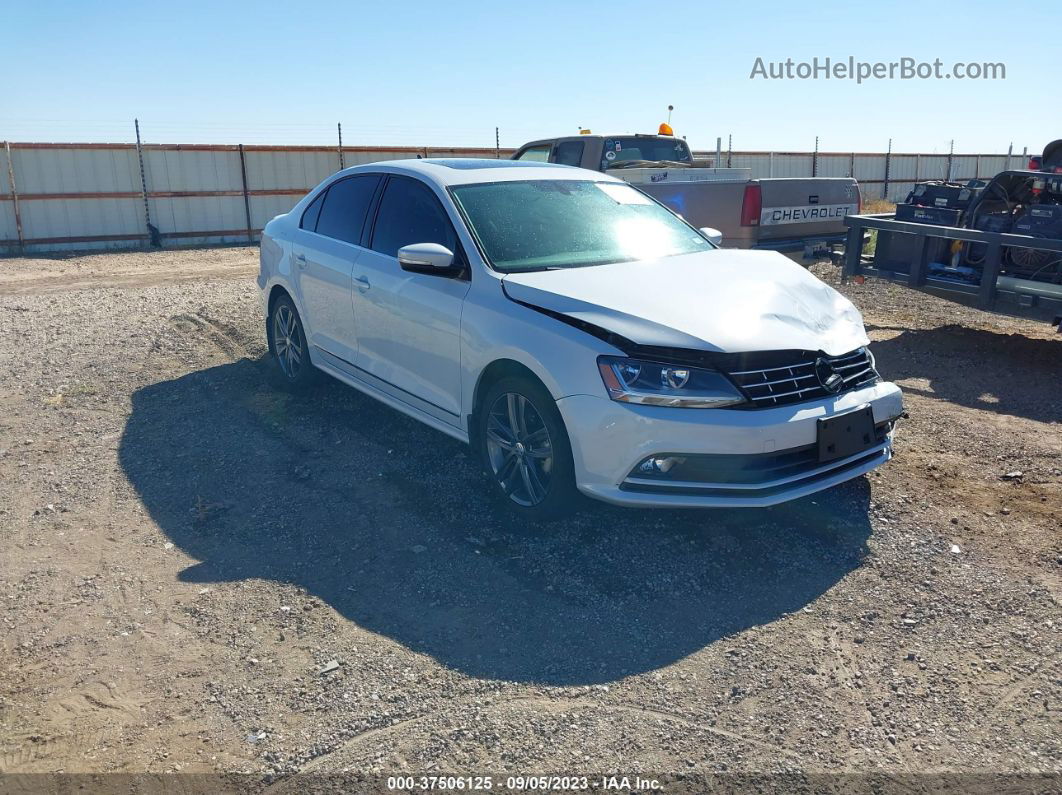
(799, 382)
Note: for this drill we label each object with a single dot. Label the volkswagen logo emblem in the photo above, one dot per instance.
(830, 379)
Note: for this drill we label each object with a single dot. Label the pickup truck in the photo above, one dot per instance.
(801, 217)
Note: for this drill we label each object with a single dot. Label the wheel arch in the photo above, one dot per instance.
(275, 292)
(491, 374)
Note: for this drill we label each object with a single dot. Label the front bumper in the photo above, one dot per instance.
(609, 439)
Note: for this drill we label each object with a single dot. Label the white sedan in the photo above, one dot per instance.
(579, 335)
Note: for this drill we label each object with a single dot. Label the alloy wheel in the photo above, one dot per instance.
(519, 449)
(287, 340)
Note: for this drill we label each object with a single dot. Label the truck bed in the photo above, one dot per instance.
(795, 213)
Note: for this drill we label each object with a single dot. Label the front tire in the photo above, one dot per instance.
(287, 345)
(524, 446)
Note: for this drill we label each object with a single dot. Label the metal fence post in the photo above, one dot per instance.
(339, 129)
(14, 199)
(153, 233)
(246, 196)
(497, 144)
(888, 163)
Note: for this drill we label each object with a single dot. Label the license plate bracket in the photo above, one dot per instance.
(817, 250)
(846, 434)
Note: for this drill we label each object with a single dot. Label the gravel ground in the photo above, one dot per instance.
(203, 574)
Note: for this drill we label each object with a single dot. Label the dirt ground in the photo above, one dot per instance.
(203, 574)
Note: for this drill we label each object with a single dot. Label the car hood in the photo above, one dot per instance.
(728, 300)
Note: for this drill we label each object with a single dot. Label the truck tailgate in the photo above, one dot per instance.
(803, 208)
(716, 204)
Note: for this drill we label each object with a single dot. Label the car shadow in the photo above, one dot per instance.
(395, 527)
(1003, 373)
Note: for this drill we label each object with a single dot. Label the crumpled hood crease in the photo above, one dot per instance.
(727, 301)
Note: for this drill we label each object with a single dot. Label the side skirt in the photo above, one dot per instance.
(349, 375)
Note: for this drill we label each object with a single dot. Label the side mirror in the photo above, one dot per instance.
(426, 258)
(713, 235)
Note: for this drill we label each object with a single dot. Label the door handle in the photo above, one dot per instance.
(361, 283)
(301, 260)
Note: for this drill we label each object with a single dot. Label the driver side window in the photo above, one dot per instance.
(410, 213)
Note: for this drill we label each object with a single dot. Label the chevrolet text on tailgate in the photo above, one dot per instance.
(581, 336)
(802, 218)
(796, 215)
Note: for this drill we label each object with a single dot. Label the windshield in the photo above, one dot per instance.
(543, 224)
(620, 152)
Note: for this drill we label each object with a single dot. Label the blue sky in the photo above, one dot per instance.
(447, 73)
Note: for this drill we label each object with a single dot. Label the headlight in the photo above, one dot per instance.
(656, 384)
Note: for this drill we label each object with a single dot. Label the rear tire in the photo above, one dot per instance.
(521, 439)
(289, 351)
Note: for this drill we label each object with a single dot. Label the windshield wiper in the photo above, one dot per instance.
(571, 266)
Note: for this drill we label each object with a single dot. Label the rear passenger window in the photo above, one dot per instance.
(538, 154)
(345, 207)
(309, 215)
(569, 153)
(410, 213)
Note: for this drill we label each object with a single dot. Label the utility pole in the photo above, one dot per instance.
(339, 129)
(497, 144)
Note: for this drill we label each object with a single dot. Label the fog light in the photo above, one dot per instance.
(651, 466)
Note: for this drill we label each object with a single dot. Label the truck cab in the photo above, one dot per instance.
(601, 152)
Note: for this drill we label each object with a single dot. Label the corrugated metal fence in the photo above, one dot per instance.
(881, 175)
(56, 197)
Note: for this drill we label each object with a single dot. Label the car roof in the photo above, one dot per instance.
(465, 170)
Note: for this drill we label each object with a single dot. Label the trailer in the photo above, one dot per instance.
(985, 288)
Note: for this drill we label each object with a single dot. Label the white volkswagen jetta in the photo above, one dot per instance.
(579, 335)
